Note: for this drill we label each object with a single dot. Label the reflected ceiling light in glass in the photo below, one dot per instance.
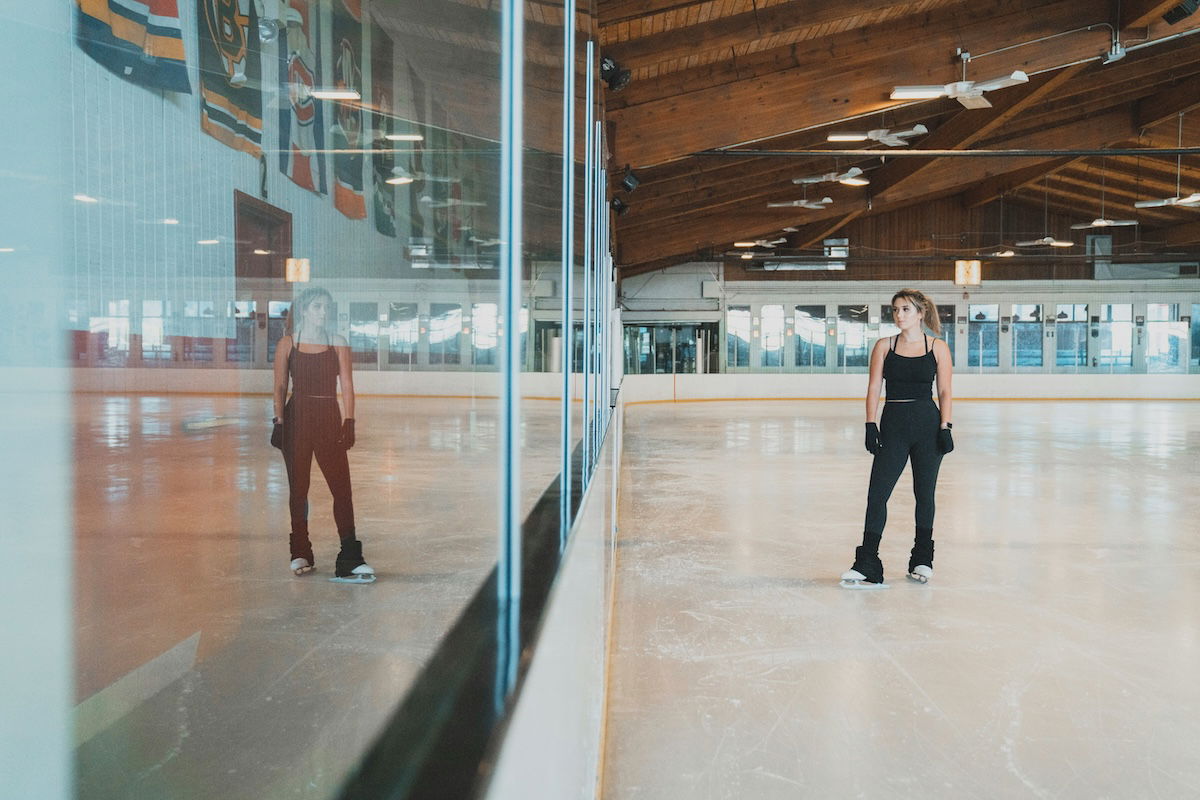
(169, 221)
(260, 252)
(336, 94)
(8, 249)
(399, 180)
(83, 198)
(209, 241)
(404, 137)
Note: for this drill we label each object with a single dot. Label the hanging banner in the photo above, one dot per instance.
(301, 118)
(416, 209)
(230, 73)
(140, 41)
(345, 135)
(383, 159)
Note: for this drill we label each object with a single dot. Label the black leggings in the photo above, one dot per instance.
(312, 426)
(906, 430)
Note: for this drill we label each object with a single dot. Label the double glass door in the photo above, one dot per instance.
(665, 348)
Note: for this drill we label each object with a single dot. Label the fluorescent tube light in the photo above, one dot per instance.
(83, 198)
(743, 244)
(855, 181)
(209, 241)
(404, 137)
(336, 94)
(399, 180)
(918, 92)
(169, 221)
(846, 137)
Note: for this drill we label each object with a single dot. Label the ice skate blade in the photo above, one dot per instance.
(920, 574)
(353, 579)
(845, 584)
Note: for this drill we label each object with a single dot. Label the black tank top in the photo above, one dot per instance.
(909, 378)
(313, 374)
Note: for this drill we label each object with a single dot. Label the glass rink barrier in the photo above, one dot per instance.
(293, 441)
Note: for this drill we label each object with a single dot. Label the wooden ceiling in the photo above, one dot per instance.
(780, 75)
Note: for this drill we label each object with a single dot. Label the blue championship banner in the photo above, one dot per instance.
(383, 159)
(345, 135)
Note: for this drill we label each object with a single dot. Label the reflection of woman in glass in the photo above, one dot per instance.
(311, 424)
(913, 428)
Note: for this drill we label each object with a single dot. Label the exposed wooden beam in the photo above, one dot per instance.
(743, 29)
(1142, 13)
(849, 73)
(1187, 233)
(1168, 103)
(614, 12)
(809, 235)
(971, 126)
(1005, 182)
(750, 219)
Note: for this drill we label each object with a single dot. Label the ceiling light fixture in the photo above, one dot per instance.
(613, 75)
(743, 244)
(619, 206)
(917, 92)
(968, 93)
(630, 181)
(882, 135)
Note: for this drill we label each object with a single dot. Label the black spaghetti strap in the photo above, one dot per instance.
(926, 341)
(894, 340)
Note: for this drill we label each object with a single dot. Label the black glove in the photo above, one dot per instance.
(277, 435)
(945, 440)
(346, 440)
(873, 443)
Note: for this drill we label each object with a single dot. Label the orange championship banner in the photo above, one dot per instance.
(139, 40)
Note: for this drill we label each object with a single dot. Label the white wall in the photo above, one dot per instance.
(553, 744)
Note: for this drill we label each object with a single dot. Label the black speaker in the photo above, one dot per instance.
(1184, 9)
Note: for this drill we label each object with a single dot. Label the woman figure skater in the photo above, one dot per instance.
(912, 427)
(310, 424)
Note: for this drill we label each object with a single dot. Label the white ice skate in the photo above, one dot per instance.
(300, 566)
(853, 579)
(921, 573)
(360, 574)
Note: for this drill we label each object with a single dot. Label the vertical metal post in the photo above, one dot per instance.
(567, 282)
(589, 234)
(508, 566)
